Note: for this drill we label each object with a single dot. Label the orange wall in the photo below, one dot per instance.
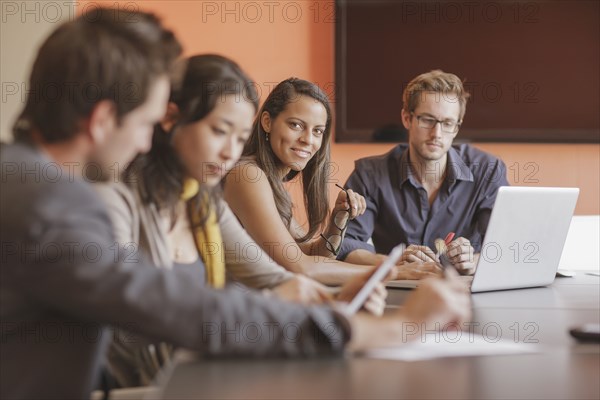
(296, 38)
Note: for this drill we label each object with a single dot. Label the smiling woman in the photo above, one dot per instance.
(283, 132)
(290, 138)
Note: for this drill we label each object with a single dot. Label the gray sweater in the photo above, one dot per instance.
(63, 280)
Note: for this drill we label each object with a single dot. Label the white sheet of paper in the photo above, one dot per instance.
(451, 345)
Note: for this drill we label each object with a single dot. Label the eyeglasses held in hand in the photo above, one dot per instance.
(340, 220)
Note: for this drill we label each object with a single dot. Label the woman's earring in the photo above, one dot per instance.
(267, 136)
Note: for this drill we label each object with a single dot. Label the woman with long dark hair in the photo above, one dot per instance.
(291, 138)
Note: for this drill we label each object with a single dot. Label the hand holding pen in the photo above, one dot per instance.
(457, 253)
(460, 254)
(441, 246)
(416, 253)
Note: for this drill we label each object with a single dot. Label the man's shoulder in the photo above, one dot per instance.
(483, 166)
(36, 187)
(25, 172)
(472, 155)
(18, 152)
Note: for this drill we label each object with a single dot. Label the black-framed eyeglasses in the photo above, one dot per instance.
(340, 220)
(428, 122)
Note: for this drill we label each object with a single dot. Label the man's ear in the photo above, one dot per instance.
(170, 118)
(265, 121)
(102, 121)
(406, 117)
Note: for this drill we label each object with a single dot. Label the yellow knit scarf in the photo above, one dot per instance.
(207, 236)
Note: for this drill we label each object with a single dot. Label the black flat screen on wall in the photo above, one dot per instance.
(532, 67)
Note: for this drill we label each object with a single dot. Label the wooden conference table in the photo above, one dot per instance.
(563, 369)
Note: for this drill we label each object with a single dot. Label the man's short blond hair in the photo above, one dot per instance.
(437, 81)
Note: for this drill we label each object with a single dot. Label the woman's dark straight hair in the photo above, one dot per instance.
(207, 79)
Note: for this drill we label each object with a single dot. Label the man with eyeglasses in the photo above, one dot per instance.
(425, 189)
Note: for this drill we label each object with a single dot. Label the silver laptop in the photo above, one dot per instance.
(524, 239)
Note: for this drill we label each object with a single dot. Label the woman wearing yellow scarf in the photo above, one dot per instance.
(168, 204)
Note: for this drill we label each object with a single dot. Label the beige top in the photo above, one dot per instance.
(136, 224)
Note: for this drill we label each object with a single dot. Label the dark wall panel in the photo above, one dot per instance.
(532, 68)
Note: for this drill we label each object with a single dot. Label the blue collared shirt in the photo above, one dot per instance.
(398, 209)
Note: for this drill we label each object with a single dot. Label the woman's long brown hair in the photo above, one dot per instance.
(314, 175)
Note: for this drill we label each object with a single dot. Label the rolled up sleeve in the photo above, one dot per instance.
(361, 228)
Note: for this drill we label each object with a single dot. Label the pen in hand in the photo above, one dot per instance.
(441, 246)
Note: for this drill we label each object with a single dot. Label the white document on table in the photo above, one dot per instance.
(451, 345)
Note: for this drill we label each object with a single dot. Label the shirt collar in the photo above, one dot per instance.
(406, 173)
(456, 169)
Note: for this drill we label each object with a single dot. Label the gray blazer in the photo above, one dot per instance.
(63, 280)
